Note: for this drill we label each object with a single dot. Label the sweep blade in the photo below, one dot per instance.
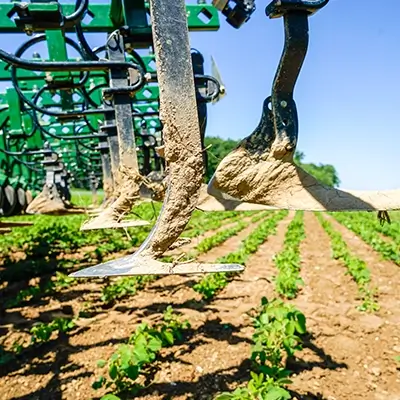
(216, 74)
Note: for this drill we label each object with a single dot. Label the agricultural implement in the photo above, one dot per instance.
(142, 120)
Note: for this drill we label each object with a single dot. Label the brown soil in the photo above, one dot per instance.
(348, 355)
(352, 353)
(128, 185)
(186, 248)
(271, 178)
(49, 202)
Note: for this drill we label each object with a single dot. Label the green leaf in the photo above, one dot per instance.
(169, 337)
(224, 396)
(154, 344)
(253, 375)
(301, 324)
(101, 363)
(264, 318)
(277, 393)
(290, 328)
(252, 387)
(113, 372)
(141, 355)
(110, 397)
(125, 352)
(132, 372)
(98, 383)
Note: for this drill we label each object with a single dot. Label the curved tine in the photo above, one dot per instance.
(178, 113)
(183, 155)
(252, 173)
(261, 169)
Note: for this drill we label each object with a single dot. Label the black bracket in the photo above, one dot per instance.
(295, 14)
(36, 19)
(278, 8)
(279, 120)
(237, 14)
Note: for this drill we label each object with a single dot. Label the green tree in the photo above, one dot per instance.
(325, 173)
(218, 150)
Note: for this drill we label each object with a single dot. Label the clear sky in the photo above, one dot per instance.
(347, 94)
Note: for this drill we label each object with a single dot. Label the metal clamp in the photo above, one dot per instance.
(278, 8)
(237, 15)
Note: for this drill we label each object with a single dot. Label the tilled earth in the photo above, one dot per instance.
(347, 355)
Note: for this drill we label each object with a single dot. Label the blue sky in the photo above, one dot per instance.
(347, 94)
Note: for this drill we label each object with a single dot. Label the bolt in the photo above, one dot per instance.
(283, 104)
(124, 30)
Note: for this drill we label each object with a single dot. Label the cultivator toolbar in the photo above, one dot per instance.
(76, 114)
(131, 116)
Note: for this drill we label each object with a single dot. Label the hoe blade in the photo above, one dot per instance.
(138, 265)
(112, 224)
(182, 150)
(216, 74)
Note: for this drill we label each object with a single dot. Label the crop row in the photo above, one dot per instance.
(288, 280)
(356, 267)
(220, 237)
(211, 284)
(370, 221)
(128, 286)
(278, 331)
(127, 366)
(369, 232)
(202, 222)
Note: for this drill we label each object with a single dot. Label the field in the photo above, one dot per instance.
(315, 314)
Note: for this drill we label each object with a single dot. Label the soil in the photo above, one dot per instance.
(271, 178)
(128, 186)
(181, 131)
(348, 354)
(47, 202)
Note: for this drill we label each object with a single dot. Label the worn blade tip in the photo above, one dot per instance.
(137, 265)
(113, 225)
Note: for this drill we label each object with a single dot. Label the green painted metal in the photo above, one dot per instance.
(24, 132)
(201, 17)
